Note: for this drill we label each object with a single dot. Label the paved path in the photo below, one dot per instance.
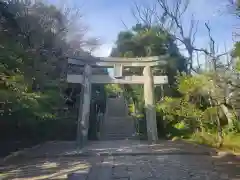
(119, 160)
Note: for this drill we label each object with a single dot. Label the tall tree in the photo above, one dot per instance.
(143, 41)
(34, 46)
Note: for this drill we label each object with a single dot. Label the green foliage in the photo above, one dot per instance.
(131, 108)
(197, 113)
(144, 41)
(32, 66)
(181, 125)
(113, 88)
(179, 107)
(191, 108)
(205, 139)
(234, 128)
(236, 54)
(193, 85)
(230, 143)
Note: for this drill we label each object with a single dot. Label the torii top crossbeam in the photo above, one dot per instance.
(111, 61)
(118, 64)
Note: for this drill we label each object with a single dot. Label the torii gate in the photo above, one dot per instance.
(87, 78)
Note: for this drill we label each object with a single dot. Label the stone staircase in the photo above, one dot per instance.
(117, 125)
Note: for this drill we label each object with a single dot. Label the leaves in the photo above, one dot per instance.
(195, 85)
(32, 38)
(143, 41)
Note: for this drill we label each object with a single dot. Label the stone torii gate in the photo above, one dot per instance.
(87, 78)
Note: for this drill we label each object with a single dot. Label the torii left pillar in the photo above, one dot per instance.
(84, 111)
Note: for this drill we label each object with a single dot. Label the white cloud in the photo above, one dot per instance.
(103, 51)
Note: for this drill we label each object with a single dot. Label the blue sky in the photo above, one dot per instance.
(103, 17)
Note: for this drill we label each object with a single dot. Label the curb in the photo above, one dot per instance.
(105, 154)
(228, 154)
(18, 153)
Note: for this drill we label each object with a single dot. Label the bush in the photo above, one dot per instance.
(234, 128)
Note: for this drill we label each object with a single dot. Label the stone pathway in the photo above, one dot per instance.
(119, 160)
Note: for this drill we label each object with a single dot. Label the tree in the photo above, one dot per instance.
(34, 46)
(143, 41)
(168, 15)
(198, 107)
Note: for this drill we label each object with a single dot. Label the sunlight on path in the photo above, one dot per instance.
(129, 159)
(49, 169)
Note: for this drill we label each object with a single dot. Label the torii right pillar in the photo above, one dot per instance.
(150, 108)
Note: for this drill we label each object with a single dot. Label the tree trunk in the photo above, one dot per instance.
(219, 129)
(227, 114)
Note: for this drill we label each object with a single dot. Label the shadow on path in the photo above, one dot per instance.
(126, 159)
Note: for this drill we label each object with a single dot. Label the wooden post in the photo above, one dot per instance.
(150, 105)
(83, 118)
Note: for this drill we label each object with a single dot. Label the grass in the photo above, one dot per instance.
(231, 142)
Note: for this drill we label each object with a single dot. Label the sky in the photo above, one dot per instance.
(105, 18)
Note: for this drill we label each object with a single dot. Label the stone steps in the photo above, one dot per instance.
(118, 129)
(129, 133)
(117, 124)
